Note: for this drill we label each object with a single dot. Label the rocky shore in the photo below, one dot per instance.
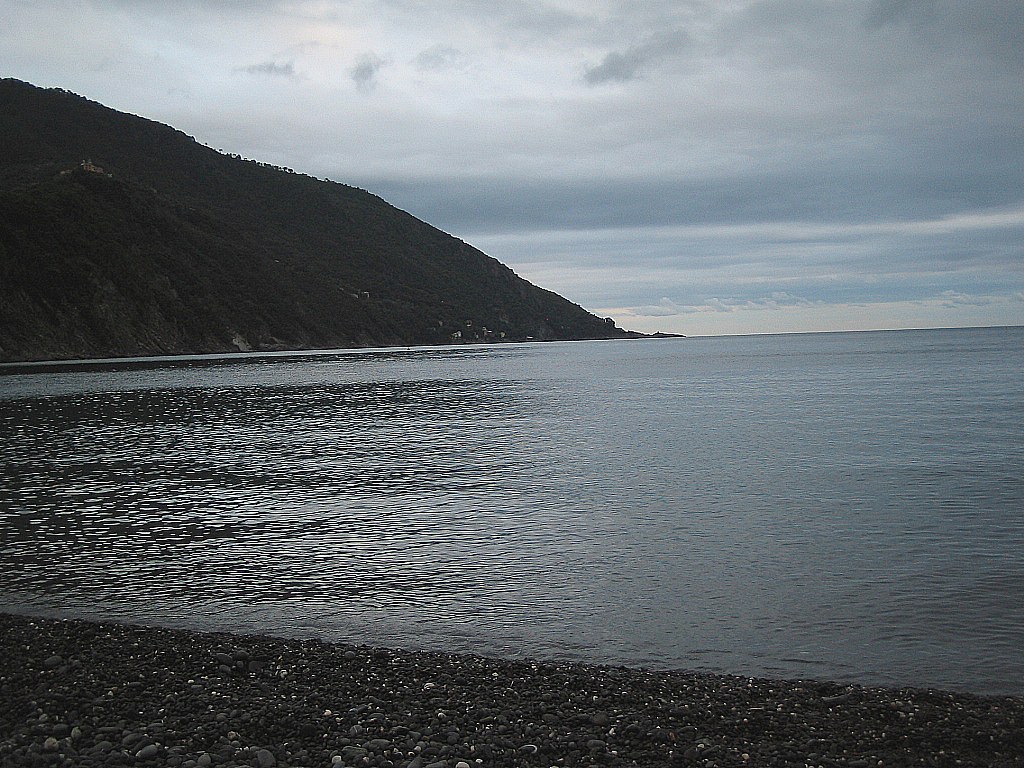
(74, 693)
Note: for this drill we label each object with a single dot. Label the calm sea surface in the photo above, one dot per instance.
(834, 506)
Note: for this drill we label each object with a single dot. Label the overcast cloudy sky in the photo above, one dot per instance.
(687, 166)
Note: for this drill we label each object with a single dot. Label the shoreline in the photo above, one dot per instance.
(79, 693)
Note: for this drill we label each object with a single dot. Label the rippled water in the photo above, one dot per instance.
(842, 506)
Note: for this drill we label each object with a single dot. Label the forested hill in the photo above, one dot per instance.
(120, 236)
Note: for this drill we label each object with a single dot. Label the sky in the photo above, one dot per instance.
(681, 166)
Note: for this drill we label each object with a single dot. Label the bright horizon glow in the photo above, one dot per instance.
(853, 330)
(794, 323)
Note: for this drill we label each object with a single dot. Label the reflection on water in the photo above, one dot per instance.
(845, 506)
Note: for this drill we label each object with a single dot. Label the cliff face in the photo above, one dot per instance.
(120, 236)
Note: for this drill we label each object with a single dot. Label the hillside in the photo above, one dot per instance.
(120, 236)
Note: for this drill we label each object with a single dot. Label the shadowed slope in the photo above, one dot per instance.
(158, 245)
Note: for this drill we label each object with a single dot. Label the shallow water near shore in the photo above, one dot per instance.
(832, 506)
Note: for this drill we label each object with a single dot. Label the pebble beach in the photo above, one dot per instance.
(76, 693)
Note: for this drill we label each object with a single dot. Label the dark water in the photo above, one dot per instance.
(840, 506)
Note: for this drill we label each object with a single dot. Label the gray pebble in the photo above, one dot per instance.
(353, 753)
(124, 692)
(147, 752)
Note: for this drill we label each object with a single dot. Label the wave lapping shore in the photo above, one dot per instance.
(76, 693)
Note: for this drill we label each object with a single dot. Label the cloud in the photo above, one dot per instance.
(271, 68)
(881, 13)
(628, 64)
(991, 29)
(665, 308)
(776, 300)
(957, 298)
(439, 57)
(616, 66)
(364, 73)
(780, 299)
(717, 305)
(669, 308)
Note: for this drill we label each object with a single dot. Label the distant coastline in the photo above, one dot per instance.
(78, 363)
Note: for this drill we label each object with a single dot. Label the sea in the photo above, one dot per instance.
(841, 506)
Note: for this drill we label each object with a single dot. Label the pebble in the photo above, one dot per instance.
(354, 753)
(53, 661)
(147, 752)
(157, 692)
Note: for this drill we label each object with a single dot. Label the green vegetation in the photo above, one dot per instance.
(120, 236)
